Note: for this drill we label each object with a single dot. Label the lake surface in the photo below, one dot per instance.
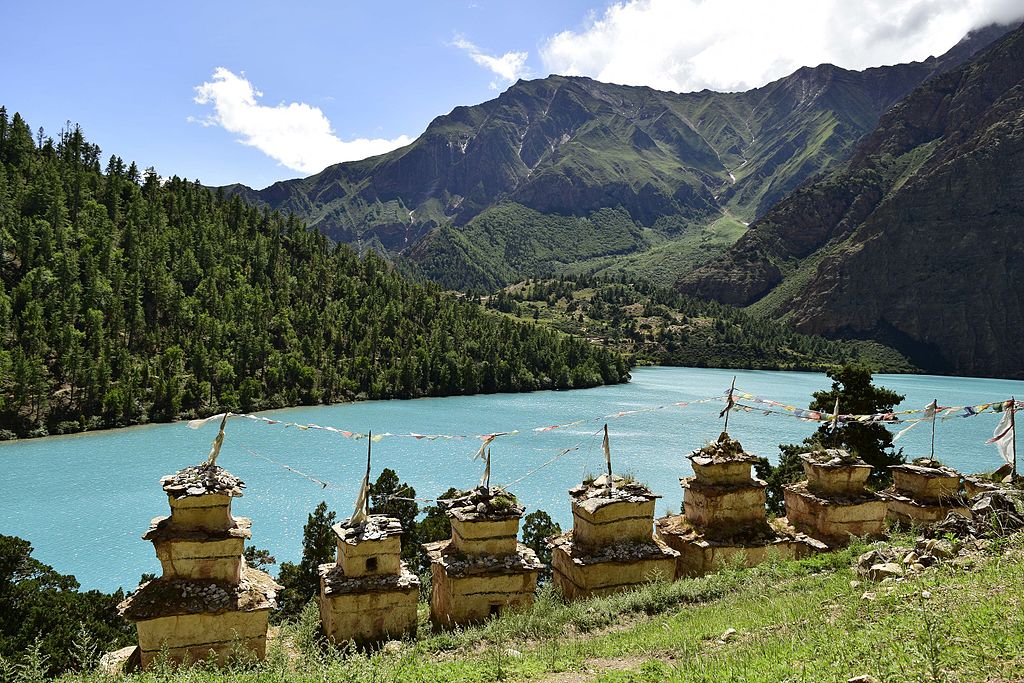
(84, 500)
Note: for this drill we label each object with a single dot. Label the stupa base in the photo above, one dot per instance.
(191, 621)
(469, 590)
(905, 511)
(367, 609)
(581, 572)
(834, 521)
(701, 553)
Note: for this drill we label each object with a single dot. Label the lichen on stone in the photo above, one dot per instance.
(482, 503)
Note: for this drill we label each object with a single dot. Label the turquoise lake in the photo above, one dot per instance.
(84, 500)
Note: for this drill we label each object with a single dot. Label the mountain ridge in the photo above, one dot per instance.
(573, 146)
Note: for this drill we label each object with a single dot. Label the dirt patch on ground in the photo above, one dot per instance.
(595, 667)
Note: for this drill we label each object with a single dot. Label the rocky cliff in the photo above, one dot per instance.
(916, 240)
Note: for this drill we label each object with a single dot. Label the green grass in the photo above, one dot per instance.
(794, 621)
(665, 263)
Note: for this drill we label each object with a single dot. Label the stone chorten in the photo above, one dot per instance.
(833, 503)
(924, 492)
(368, 595)
(207, 599)
(725, 517)
(482, 569)
(610, 547)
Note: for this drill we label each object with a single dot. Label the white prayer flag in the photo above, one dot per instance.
(1002, 437)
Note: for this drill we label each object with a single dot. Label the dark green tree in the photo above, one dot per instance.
(126, 297)
(259, 558)
(301, 581)
(394, 498)
(40, 604)
(872, 442)
(538, 527)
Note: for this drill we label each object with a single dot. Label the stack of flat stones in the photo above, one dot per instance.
(482, 503)
(482, 569)
(207, 600)
(611, 546)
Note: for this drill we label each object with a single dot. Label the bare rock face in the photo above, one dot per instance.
(916, 241)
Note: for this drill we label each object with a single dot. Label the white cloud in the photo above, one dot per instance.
(297, 135)
(686, 45)
(509, 67)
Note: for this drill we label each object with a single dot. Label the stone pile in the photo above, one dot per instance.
(207, 601)
(368, 595)
(724, 518)
(482, 569)
(992, 515)
(611, 546)
(833, 504)
(975, 484)
(923, 492)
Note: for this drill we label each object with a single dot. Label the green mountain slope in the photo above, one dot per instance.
(660, 326)
(124, 299)
(916, 241)
(667, 162)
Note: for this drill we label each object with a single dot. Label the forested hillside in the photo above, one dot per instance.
(125, 299)
(660, 326)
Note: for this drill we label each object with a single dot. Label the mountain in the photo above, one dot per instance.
(916, 241)
(566, 171)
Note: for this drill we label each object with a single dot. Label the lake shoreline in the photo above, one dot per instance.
(191, 415)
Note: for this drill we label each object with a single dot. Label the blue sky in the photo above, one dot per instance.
(177, 85)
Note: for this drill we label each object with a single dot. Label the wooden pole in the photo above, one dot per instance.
(934, 409)
(608, 459)
(487, 473)
(369, 449)
(728, 405)
(1013, 435)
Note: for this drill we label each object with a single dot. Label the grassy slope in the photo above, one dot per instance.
(663, 264)
(795, 621)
